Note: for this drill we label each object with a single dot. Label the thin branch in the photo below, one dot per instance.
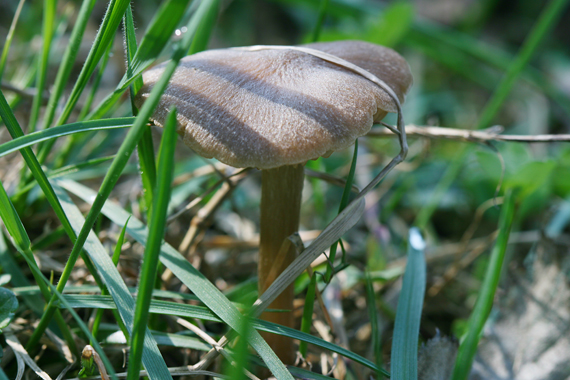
(24, 92)
(340, 182)
(491, 134)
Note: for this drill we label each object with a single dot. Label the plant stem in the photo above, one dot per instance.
(281, 190)
(486, 296)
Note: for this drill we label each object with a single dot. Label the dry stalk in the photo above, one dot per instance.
(492, 134)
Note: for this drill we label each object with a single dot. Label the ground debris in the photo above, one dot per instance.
(528, 337)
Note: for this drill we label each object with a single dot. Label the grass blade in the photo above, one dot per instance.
(156, 37)
(164, 339)
(104, 37)
(155, 238)
(12, 221)
(117, 166)
(9, 38)
(99, 315)
(22, 242)
(307, 320)
(32, 162)
(404, 357)
(203, 313)
(68, 60)
(47, 33)
(145, 146)
(187, 274)
(131, 48)
(24, 141)
(9, 265)
(484, 303)
(237, 369)
(96, 82)
(205, 29)
(320, 19)
(86, 168)
(160, 30)
(152, 359)
(79, 321)
(343, 203)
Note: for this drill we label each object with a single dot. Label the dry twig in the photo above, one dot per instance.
(491, 134)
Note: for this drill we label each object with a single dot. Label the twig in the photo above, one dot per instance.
(340, 182)
(24, 92)
(453, 269)
(22, 356)
(468, 135)
(199, 199)
(211, 341)
(205, 212)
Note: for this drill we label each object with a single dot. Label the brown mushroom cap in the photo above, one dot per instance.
(270, 108)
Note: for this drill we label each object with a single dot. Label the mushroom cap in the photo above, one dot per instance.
(270, 108)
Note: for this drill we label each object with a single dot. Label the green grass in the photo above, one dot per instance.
(74, 192)
(404, 357)
(157, 226)
(486, 295)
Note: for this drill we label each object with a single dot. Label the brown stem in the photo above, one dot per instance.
(281, 190)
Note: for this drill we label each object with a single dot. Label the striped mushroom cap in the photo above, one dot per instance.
(273, 107)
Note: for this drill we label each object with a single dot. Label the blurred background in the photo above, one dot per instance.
(459, 52)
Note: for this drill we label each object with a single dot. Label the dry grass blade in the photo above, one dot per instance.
(23, 357)
(208, 339)
(452, 271)
(205, 212)
(203, 171)
(342, 223)
(293, 241)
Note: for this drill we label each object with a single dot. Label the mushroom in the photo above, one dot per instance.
(275, 108)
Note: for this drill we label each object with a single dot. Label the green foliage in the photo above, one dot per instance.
(67, 60)
(157, 226)
(307, 319)
(236, 370)
(8, 307)
(342, 205)
(404, 358)
(388, 29)
(482, 308)
(545, 23)
(47, 33)
(393, 24)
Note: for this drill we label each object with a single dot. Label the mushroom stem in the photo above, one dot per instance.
(281, 190)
